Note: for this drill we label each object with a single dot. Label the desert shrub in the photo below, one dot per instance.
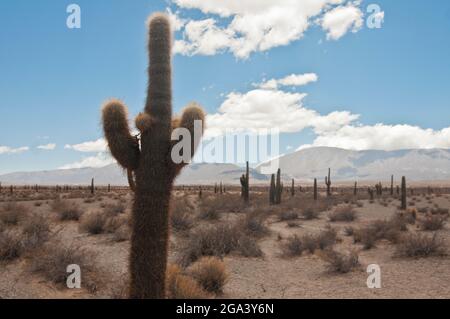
(288, 215)
(248, 247)
(36, 231)
(208, 213)
(432, 222)
(54, 259)
(93, 223)
(293, 247)
(293, 224)
(420, 245)
(327, 238)
(340, 263)
(181, 286)
(181, 220)
(11, 245)
(310, 243)
(66, 211)
(439, 210)
(12, 213)
(342, 214)
(310, 213)
(112, 210)
(113, 223)
(423, 210)
(210, 273)
(253, 225)
(217, 240)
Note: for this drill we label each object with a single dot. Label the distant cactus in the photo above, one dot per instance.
(403, 205)
(245, 184)
(92, 187)
(221, 188)
(278, 188)
(272, 190)
(150, 169)
(328, 182)
(355, 189)
(292, 189)
(392, 185)
(215, 188)
(315, 189)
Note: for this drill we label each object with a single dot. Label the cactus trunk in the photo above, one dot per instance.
(150, 167)
(403, 205)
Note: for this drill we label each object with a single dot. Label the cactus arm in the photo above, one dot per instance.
(123, 146)
(191, 114)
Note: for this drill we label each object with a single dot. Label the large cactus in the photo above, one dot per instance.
(403, 199)
(151, 170)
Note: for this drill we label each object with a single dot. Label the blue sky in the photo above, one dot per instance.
(53, 80)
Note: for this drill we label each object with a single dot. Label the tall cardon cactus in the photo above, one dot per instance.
(147, 159)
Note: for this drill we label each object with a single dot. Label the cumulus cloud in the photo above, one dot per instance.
(246, 26)
(10, 150)
(290, 80)
(382, 137)
(340, 20)
(89, 146)
(99, 160)
(47, 147)
(260, 109)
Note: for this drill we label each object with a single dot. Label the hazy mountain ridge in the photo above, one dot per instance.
(306, 164)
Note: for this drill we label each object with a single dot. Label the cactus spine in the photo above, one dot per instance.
(328, 182)
(149, 163)
(403, 206)
(245, 184)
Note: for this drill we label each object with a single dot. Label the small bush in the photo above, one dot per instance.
(342, 214)
(210, 273)
(253, 225)
(93, 223)
(12, 213)
(349, 231)
(123, 233)
(421, 245)
(248, 247)
(180, 286)
(11, 245)
(432, 222)
(288, 215)
(293, 247)
(217, 240)
(115, 209)
(310, 213)
(54, 259)
(181, 220)
(340, 263)
(66, 211)
(36, 230)
(327, 238)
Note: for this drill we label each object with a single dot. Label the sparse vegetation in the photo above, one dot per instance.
(342, 214)
(421, 245)
(210, 273)
(341, 263)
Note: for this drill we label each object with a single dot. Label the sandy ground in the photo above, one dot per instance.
(271, 276)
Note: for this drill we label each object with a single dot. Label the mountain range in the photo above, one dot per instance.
(302, 165)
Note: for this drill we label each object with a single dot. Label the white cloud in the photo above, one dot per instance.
(99, 160)
(265, 109)
(47, 147)
(247, 26)
(340, 20)
(290, 80)
(10, 150)
(382, 137)
(89, 147)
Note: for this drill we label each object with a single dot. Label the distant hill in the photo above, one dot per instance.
(371, 165)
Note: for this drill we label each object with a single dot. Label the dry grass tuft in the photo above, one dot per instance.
(432, 222)
(210, 273)
(181, 286)
(12, 213)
